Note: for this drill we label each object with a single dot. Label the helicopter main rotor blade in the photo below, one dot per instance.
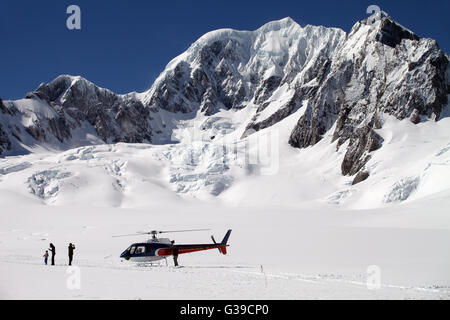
(154, 232)
(129, 235)
(175, 231)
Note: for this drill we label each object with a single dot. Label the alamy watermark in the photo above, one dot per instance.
(373, 10)
(373, 281)
(73, 21)
(73, 281)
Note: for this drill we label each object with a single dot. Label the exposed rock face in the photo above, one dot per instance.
(2, 107)
(360, 177)
(116, 118)
(5, 143)
(206, 79)
(68, 105)
(391, 34)
(380, 69)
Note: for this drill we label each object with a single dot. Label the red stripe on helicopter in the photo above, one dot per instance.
(169, 252)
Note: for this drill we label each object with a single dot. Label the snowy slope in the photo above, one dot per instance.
(303, 223)
(329, 261)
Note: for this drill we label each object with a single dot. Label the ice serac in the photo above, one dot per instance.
(381, 68)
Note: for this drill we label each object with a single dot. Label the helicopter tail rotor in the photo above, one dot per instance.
(214, 241)
(223, 244)
(223, 247)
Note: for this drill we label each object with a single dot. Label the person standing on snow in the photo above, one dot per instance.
(71, 248)
(175, 254)
(53, 251)
(46, 257)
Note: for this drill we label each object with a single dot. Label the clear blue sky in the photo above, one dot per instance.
(124, 45)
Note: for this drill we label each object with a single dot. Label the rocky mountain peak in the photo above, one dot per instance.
(277, 25)
(388, 31)
(229, 69)
(381, 68)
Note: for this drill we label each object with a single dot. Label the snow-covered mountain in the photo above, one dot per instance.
(71, 111)
(236, 83)
(381, 68)
(227, 69)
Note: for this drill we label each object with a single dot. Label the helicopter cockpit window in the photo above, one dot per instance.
(140, 249)
(132, 249)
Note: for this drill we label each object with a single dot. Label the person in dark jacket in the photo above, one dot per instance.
(175, 254)
(53, 251)
(71, 248)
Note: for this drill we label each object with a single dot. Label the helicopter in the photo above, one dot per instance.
(156, 248)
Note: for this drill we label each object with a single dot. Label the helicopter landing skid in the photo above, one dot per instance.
(149, 264)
